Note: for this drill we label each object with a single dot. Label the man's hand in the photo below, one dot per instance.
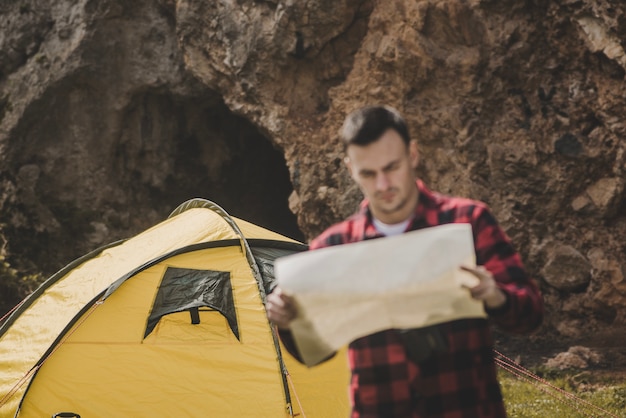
(486, 290)
(281, 308)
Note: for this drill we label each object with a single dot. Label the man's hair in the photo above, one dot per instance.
(367, 124)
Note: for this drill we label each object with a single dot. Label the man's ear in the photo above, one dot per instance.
(348, 164)
(414, 154)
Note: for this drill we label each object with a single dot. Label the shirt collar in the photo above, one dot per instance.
(426, 201)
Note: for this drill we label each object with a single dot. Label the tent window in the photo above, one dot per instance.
(265, 258)
(189, 289)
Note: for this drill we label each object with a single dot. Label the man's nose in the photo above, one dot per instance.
(382, 181)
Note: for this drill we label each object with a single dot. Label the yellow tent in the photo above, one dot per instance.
(168, 323)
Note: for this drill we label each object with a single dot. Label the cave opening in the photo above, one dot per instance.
(125, 171)
(132, 168)
(175, 149)
(251, 179)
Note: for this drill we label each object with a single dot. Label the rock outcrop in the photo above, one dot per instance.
(113, 112)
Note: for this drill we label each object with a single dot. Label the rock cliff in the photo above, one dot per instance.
(113, 112)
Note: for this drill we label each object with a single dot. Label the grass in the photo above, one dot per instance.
(572, 395)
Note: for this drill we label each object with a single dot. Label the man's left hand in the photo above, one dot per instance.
(486, 290)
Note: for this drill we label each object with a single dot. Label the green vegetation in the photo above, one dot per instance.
(41, 58)
(567, 394)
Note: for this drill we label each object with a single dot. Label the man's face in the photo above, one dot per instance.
(385, 172)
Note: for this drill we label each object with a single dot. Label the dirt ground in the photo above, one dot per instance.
(609, 353)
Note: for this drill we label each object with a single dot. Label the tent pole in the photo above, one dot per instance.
(245, 248)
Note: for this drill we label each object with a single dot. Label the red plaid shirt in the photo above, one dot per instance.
(461, 381)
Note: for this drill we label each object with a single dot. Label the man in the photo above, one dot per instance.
(446, 370)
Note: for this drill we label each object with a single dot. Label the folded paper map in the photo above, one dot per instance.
(406, 281)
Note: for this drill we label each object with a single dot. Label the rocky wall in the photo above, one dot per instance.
(519, 103)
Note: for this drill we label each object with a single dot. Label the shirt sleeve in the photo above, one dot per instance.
(523, 309)
(286, 337)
